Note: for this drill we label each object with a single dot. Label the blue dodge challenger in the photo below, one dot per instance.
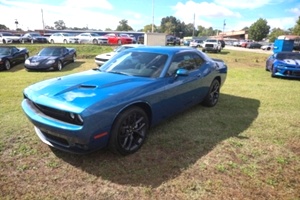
(115, 105)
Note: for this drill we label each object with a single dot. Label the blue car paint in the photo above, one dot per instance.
(280, 68)
(100, 96)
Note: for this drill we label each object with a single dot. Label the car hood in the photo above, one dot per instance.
(295, 62)
(41, 58)
(106, 55)
(79, 91)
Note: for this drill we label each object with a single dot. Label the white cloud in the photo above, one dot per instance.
(243, 4)
(103, 4)
(203, 12)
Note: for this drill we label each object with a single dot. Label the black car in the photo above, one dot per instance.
(11, 55)
(254, 45)
(33, 38)
(51, 58)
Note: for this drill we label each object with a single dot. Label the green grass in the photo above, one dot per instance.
(247, 147)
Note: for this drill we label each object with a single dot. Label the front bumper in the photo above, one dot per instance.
(63, 135)
(291, 72)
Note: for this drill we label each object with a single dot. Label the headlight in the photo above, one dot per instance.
(280, 66)
(27, 61)
(50, 62)
(76, 118)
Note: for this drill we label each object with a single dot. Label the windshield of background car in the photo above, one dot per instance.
(4, 51)
(144, 64)
(50, 52)
(94, 34)
(292, 56)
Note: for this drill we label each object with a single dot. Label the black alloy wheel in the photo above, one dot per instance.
(129, 131)
(213, 94)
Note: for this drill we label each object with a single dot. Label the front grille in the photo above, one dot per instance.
(57, 114)
(209, 45)
(56, 139)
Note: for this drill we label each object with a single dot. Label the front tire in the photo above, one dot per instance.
(129, 131)
(74, 58)
(7, 64)
(95, 41)
(213, 94)
(59, 66)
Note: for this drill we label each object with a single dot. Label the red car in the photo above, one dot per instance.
(115, 38)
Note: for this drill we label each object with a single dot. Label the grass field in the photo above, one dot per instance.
(247, 147)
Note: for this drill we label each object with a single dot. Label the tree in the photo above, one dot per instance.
(108, 29)
(296, 29)
(170, 25)
(60, 25)
(148, 28)
(123, 26)
(259, 30)
(3, 27)
(275, 33)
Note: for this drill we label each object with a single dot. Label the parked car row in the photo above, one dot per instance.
(93, 38)
(49, 58)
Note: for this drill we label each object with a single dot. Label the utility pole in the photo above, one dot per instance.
(194, 26)
(43, 21)
(152, 16)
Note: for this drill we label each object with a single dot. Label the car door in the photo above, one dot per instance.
(17, 57)
(182, 91)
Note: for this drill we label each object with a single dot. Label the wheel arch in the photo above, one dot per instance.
(143, 105)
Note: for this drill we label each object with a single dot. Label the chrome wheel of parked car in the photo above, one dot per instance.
(59, 66)
(119, 42)
(7, 64)
(212, 96)
(32, 41)
(95, 41)
(65, 42)
(74, 58)
(129, 131)
(52, 41)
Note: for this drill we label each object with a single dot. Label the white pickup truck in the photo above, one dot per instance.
(212, 45)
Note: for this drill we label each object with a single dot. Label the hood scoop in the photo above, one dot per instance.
(88, 86)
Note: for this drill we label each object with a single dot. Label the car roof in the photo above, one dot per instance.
(165, 49)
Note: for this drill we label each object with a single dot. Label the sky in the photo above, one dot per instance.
(102, 14)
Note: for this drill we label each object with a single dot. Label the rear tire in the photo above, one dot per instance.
(213, 94)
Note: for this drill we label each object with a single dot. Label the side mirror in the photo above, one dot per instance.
(182, 72)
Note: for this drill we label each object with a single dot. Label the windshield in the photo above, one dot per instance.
(293, 56)
(142, 64)
(35, 34)
(4, 51)
(51, 52)
(94, 34)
